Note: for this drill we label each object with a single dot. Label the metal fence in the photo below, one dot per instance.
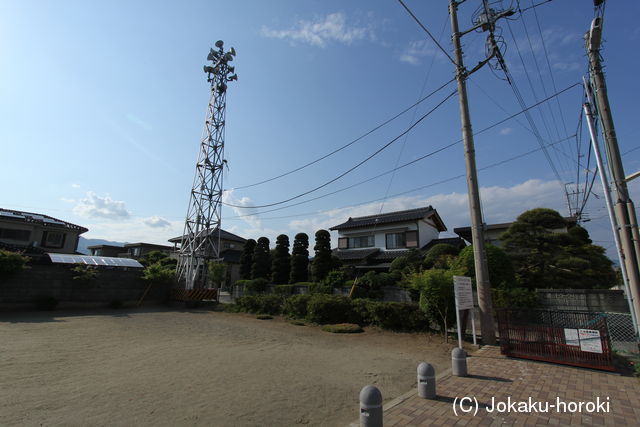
(566, 337)
(621, 333)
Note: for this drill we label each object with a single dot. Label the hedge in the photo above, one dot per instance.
(334, 309)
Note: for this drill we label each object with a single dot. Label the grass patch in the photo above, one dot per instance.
(297, 322)
(264, 317)
(343, 328)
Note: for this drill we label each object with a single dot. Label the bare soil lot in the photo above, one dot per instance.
(160, 367)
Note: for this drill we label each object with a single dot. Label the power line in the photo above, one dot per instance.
(348, 144)
(415, 18)
(433, 184)
(352, 168)
(438, 150)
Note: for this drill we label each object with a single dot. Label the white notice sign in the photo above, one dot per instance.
(463, 292)
(590, 340)
(571, 337)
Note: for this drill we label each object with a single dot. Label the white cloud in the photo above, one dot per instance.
(93, 206)
(416, 50)
(249, 215)
(156, 222)
(75, 185)
(506, 131)
(323, 31)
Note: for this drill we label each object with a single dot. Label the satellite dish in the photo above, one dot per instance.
(219, 43)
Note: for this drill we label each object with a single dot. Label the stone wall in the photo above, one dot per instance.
(19, 290)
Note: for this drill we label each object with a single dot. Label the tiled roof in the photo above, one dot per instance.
(45, 220)
(390, 217)
(224, 235)
(354, 254)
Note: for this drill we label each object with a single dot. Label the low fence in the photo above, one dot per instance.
(566, 337)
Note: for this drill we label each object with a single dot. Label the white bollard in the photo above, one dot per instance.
(370, 407)
(426, 381)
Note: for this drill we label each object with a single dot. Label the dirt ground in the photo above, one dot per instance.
(161, 367)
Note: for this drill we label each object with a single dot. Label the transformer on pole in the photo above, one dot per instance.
(201, 238)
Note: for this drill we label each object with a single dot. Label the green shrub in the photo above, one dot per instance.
(84, 273)
(252, 287)
(10, 262)
(283, 289)
(335, 279)
(343, 328)
(45, 302)
(515, 298)
(324, 309)
(398, 316)
(295, 306)
(319, 288)
(260, 304)
(159, 274)
(264, 317)
(362, 309)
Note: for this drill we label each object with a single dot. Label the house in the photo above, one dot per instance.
(231, 247)
(105, 250)
(136, 250)
(374, 241)
(38, 233)
(492, 232)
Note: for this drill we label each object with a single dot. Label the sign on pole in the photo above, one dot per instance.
(464, 301)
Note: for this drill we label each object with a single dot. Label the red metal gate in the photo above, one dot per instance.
(566, 337)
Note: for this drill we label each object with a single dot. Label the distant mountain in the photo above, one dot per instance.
(84, 243)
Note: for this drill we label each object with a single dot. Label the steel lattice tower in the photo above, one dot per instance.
(201, 238)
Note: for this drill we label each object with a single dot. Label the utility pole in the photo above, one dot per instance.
(624, 208)
(487, 324)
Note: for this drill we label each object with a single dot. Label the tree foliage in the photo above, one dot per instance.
(281, 265)
(410, 263)
(10, 262)
(440, 256)
(501, 273)
(300, 259)
(246, 259)
(322, 261)
(437, 298)
(544, 258)
(261, 267)
(217, 272)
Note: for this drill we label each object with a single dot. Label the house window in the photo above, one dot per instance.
(53, 239)
(411, 239)
(343, 243)
(361, 242)
(396, 241)
(9, 233)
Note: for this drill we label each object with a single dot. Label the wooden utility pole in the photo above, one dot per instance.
(624, 209)
(487, 324)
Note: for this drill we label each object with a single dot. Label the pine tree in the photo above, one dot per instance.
(246, 259)
(261, 268)
(281, 264)
(322, 260)
(300, 259)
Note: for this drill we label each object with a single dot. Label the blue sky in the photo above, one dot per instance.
(102, 106)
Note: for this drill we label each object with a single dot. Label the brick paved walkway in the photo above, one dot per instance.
(492, 375)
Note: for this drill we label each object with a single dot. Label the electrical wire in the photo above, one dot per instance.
(438, 150)
(353, 167)
(413, 190)
(348, 144)
(415, 18)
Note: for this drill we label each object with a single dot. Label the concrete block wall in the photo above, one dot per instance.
(19, 290)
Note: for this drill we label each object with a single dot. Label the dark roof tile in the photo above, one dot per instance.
(390, 217)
